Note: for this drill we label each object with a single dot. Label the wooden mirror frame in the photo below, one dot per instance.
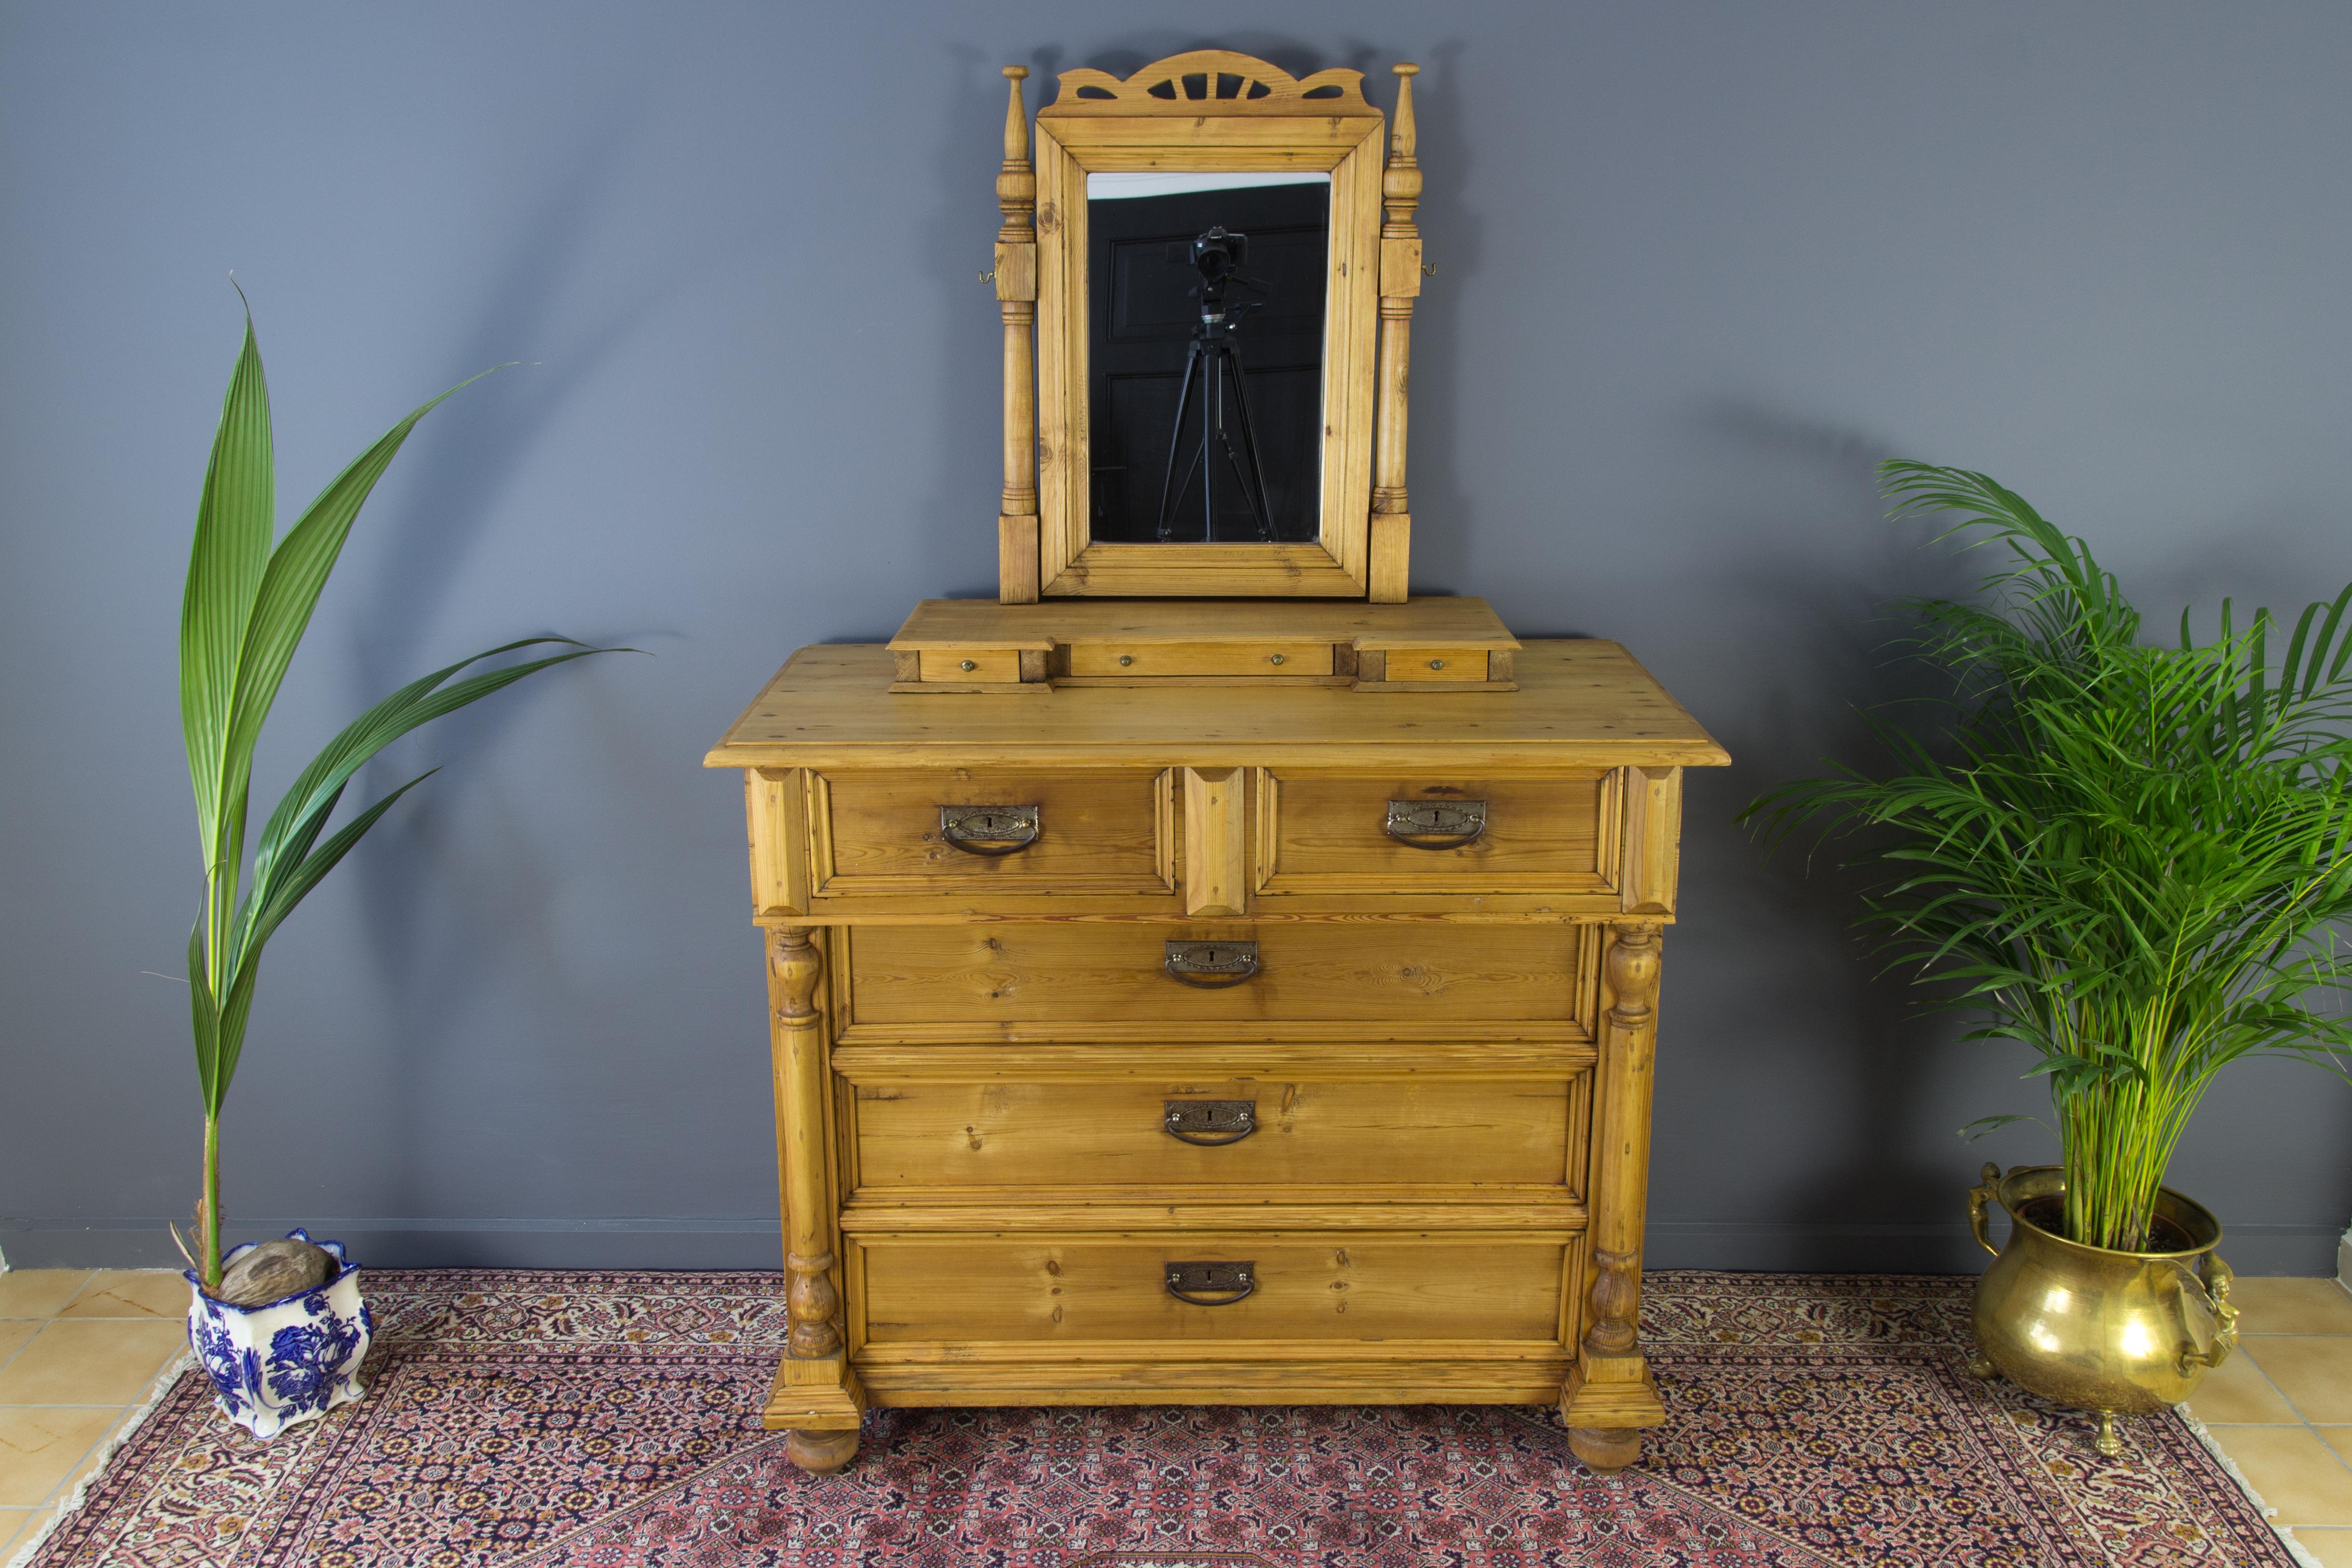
(1250, 116)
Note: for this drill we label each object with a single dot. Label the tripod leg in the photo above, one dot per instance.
(1253, 479)
(1170, 491)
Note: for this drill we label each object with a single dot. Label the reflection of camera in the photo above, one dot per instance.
(1216, 255)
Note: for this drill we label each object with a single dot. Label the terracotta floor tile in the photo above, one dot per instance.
(2275, 1306)
(38, 1292)
(13, 1335)
(89, 1362)
(2315, 1372)
(154, 1294)
(2237, 1392)
(2295, 1473)
(39, 1448)
(2331, 1547)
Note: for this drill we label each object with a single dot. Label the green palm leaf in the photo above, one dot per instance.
(245, 607)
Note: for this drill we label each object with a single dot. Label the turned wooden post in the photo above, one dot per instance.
(1611, 1397)
(816, 1398)
(1016, 301)
(1391, 522)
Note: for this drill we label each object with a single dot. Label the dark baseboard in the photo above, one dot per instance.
(753, 1243)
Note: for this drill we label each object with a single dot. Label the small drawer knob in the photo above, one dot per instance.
(1273, 658)
(968, 665)
(1125, 660)
(1437, 664)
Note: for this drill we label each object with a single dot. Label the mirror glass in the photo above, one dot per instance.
(1205, 298)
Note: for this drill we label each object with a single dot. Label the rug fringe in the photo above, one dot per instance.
(2286, 1532)
(121, 1434)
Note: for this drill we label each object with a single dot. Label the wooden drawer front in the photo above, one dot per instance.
(1015, 981)
(1132, 660)
(1055, 1291)
(1006, 1134)
(1330, 833)
(1099, 832)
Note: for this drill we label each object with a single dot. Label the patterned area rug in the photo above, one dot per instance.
(576, 1420)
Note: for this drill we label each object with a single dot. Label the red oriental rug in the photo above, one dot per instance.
(593, 1420)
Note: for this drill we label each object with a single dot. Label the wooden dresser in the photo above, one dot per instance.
(1242, 995)
(1214, 1075)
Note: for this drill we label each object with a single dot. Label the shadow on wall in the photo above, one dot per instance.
(431, 968)
(1820, 998)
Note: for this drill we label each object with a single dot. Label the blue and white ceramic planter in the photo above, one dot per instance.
(297, 1358)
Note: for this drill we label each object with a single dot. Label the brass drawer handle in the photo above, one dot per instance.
(1436, 824)
(988, 830)
(1211, 965)
(1210, 1123)
(1212, 1284)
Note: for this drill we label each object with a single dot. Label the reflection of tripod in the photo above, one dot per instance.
(1210, 356)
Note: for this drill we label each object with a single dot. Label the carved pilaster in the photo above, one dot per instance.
(1392, 520)
(815, 1396)
(1610, 1396)
(1016, 303)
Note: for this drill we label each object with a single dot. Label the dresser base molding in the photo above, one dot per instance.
(1151, 1381)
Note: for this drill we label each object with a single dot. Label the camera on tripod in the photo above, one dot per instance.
(1216, 255)
(1212, 359)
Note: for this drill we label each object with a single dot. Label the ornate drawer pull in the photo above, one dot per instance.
(1211, 1122)
(1436, 824)
(1211, 965)
(1211, 1285)
(988, 830)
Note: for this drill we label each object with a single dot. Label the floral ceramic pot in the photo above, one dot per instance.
(290, 1360)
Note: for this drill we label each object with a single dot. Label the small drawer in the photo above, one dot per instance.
(1146, 660)
(1264, 1286)
(1356, 834)
(1436, 664)
(965, 665)
(1119, 981)
(948, 831)
(1246, 1132)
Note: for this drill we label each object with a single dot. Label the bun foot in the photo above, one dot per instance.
(821, 1453)
(1605, 1449)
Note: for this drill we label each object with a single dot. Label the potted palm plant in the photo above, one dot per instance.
(2130, 858)
(280, 1326)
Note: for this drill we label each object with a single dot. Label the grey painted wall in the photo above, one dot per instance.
(1700, 266)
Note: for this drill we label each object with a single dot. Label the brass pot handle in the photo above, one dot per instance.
(1436, 824)
(1210, 1123)
(988, 830)
(1210, 965)
(2214, 1282)
(1988, 1191)
(1208, 1284)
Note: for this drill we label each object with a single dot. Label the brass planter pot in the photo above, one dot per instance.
(2121, 1333)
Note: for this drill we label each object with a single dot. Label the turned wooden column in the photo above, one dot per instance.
(1610, 1396)
(1391, 522)
(1017, 564)
(816, 1398)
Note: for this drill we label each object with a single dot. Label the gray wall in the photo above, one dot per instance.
(1699, 267)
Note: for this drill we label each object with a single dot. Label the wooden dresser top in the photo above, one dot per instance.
(1579, 704)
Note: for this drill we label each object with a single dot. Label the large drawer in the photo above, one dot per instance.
(1383, 832)
(1111, 981)
(1303, 1287)
(882, 834)
(1244, 1132)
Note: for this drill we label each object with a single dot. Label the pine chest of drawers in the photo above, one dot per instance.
(1214, 1044)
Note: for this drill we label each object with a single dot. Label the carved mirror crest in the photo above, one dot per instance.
(1220, 312)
